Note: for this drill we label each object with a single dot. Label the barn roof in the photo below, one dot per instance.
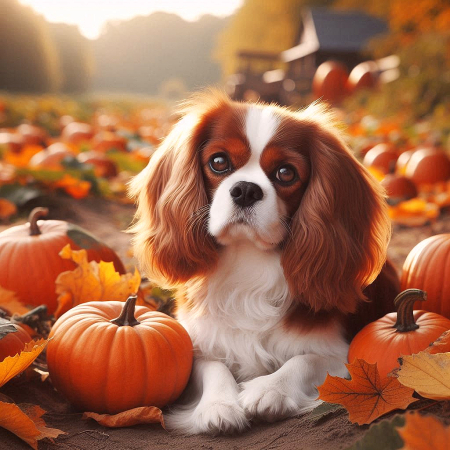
(340, 31)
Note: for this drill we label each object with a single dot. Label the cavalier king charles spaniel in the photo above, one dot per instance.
(274, 237)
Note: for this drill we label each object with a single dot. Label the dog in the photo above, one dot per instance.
(269, 229)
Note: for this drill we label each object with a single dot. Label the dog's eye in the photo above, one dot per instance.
(286, 174)
(219, 163)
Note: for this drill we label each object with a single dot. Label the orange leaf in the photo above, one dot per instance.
(26, 423)
(10, 303)
(22, 158)
(13, 365)
(424, 433)
(7, 209)
(74, 187)
(135, 416)
(440, 345)
(366, 396)
(92, 281)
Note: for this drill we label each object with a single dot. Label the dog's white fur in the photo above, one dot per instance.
(247, 365)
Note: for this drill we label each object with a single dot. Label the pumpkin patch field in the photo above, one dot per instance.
(91, 356)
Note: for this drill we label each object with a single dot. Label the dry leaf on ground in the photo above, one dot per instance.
(92, 281)
(25, 422)
(428, 375)
(366, 396)
(440, 345)
(135, 416)
(13, 365)
(10, 303)
(424, 433)
(7, 209)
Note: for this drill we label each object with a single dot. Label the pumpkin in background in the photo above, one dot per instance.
(109, 357)
(12, 141)
(381, 157)
(103, 166)
(32, 134)
(30, 261)
(398, 188)
(77, 132)
(12, 338)
(51, 157)
(402, 161)
(428, 166)
(108, 140)
(363, 76)
(426, 268)
(402, 333)
(329, 82)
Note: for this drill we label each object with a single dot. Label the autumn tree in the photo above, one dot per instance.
(27, 54)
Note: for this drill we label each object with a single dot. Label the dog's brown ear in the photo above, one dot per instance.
(171, 240)
(341, 229)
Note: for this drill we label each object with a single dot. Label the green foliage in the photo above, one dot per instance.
(27, 54)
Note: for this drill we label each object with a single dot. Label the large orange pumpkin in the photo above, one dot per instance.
(402, 333)
(109, 357)
(426, 267)
(12, 338)
(30, 261)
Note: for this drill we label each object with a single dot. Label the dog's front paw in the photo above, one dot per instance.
(261, 398)
(208, 416)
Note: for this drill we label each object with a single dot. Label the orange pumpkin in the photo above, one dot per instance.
(30, 261)
(402, 333)
(426, 267)
(381, 157)
(428, 166)
(12, 141)
(77, 132)
(52, 157)
(107, 140)
(12, 338)
(398, 188)
(103, 166)
(329, 81)
(109, 357)
(402, 161)
(32, 134)
(363, 76)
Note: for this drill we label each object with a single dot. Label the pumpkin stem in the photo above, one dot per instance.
(35, 215)
(127, 315)
(404, 303)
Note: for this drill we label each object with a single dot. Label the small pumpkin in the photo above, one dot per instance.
(12, 338)
(108, 140)
(51, 157)
(30, 261)
(103, 166)
(363, 76)
(32, 134)
(398, 188)
(12, 141)
(426, 267)
(330, 81)
(77, 132)
(428, 166)
(402, 161)
(109, 357)
(402, 333)
(381, 157)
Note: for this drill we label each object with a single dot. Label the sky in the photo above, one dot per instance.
(91, 15)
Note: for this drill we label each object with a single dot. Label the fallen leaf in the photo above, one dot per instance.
(428, 375)
(26, 423)
(10, 303)
(135, 416)
(6, 327)
(13, 365)
(440, 345)
(92, 281)
(74, 187)
(424, 433)
(382, 435)
(414, 212)
(366, 396)
(7, 209)
(324, 409)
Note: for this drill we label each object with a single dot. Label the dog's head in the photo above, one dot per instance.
(283, 180)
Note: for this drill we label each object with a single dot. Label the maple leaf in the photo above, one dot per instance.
(440, 345)
(366, 396)
(26, 423)
(13, 365)
(135, 416)
(424, 433)
(427, 374)
(92, 281)
(10, 303)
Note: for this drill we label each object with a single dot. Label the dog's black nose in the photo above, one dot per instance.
(245, 193)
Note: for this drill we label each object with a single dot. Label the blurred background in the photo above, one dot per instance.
(88, 89)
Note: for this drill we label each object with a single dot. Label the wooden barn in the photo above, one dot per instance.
(324, 35)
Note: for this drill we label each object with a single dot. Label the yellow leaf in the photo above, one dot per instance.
(10, 303)
(26, 422)
(13, 365)
(424, 433)
(135, 416)
(92, 281)
(428, 375)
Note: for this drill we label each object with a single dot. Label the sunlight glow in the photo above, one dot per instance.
(91, 15)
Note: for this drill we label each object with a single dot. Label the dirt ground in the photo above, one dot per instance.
(106, 220)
